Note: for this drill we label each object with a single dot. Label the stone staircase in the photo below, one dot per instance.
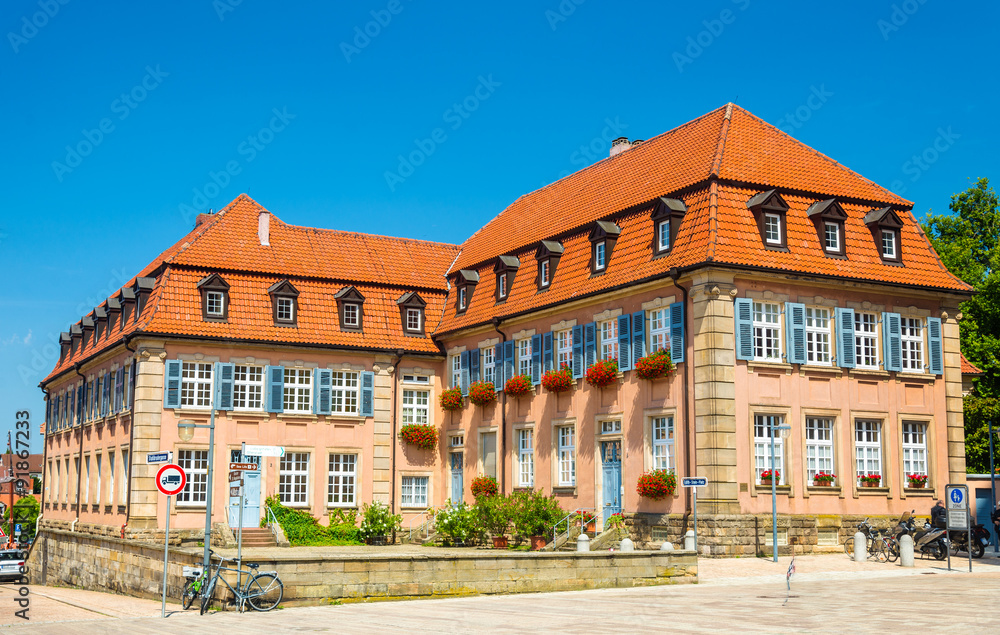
(257, 537)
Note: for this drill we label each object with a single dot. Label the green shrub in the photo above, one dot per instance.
(377, 520)
(495, 513)
(457, 522)
(302, 529)
(534, 513)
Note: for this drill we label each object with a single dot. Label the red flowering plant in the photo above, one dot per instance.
(916, 480)
(766, 475)
(482, 393)
(824, 477)
(657, 484)
(656, 365)
(451, 399)
(558, 380)
(421, 435)
(603, 373)
(518, 385)
(485, 486)
(872, 479)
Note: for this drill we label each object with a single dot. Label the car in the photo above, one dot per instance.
(11, 563)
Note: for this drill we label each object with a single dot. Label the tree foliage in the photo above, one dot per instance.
(968, 241)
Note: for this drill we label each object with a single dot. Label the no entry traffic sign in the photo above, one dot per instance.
(170, 479)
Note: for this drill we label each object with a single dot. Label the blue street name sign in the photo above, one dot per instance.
(694, 481)
(158, 457)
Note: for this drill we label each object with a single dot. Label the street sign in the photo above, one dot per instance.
(263, 450)
(170, 479)
(694, 481)
(159, 457)
(957, 497)
(235, 476)
(243, 467)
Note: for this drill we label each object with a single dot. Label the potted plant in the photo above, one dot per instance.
(870, 480)
(482, 393)
(917, 481)
(456, 522)
(378, 523)
(656, 484)
(656, 365)
(616, 522)
(766, 476)
(585, 519)
(535, 515)
(451, 399)
(495, 514)
(558, 380)
(824, 479)
(421, 435)
(518, 385)
(484, 486)
(603, 373)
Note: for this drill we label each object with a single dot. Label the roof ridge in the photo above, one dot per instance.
(721, 147)
(930, 247)
(713, 219)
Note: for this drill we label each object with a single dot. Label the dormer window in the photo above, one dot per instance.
(285, 303)
(543, 274)
(602, 239)
(829, 218)
(888, 244)
(465, 284)
(414, 319)
(214, 298)
(548, 255)
(885, 226)
(501, 286)
(505, 269)
(350, 309)
(667, 216)
(769, 209)
(831, 236)
(411, 308)
(352, 315)
(462, 302)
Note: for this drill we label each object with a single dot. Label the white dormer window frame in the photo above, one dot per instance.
(352, 314)
(215, 303)
(772, 228)
(285, 310)
(414, 319)
(502, 285)
(544, 275)
(889, 247)
(663, 235)
(832, 238)
(599, 256)
(462, 299)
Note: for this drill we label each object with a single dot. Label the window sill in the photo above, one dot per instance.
(565, 489)
(414, 508)
(915, 377)
(181, 509)
(833, 490)
(868, 372)
(765, 490)
(345, 418)
(247, 414)
(121, 509)
(107, 509)
(820, 370)
(754, 365)
(204, 412)
(342, 507)
(927, 492)
(298, 415)
(873, 491)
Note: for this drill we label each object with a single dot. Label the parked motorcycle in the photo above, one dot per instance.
(980, 539)
(930, 541)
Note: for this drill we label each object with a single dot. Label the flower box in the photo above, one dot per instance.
(657, 484)
(485, 486)
(916, 481)
(603, 373)
(656, 365)
(423, 436)
(482, 393)
(824, 479)
(870, 480)
(451, 399)
(558, 380)
(518, 385)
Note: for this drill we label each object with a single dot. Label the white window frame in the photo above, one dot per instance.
(611, 426)
(489, 362)
(461, 298)
(767, 331)
(662, 435)
(914, 436)
(57, 477)
(414, 319)
(342, 479)
(194, 462)
(502, 285)
(868, 448)
(819, 336)
(609, 339)
(762, 445)
(285, 309)
(866, 340)
(889, 244)
(248, 387)
(293, 479)
(831, 236)
(297, 390)
(215, 304)
(600, 261)
(911, 332)
(414, 490)
(566, 455)
(416, 406)
(526, 457)
(352, 314)
(524, 356)
(345, 392)
(819, 446)
(125, 475)
(663, 235)
(772, 228)
(564, 348)
(196, 385)
(659, 330)
(86, 480)
(111, 478)
(98, 485)
(544, 276)
(456, 371)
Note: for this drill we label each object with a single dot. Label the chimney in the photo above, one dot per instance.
(201, 218)
(637, 142)
(264, 229)
(619, 145)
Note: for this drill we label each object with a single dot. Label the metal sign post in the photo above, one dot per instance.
(170, 479)
(958, 517)
(694, 483)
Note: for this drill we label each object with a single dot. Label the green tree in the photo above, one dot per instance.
(968, 241)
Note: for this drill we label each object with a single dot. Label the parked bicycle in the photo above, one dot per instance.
(263, 590)
(876, 542)
(196, 578)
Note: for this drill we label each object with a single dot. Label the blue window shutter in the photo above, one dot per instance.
(104, 395)
(498, 377)
(677, 343)
(589, 345)
(936, 357)
(53, 413)
(130, 393)
(323, 381)
(536, 359)
(474, 365)
(121, 389)
(224, 375)
(464, 378)
(578, 360)
(48, 415)
(795, 333)
(508, 362)
(892, 343)
(108, 388)
(547, 359)
(275, 388)
(116, 400)
(80, 393)
(367, 394)
(624, 339)
(638, 336)
(172, 384)
(845, 337)
(743, 311)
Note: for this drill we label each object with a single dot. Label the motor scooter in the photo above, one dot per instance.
(930, 541)
(980, 539)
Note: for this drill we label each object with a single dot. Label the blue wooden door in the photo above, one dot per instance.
(612, 484)
(983, 506)
(457, 489)
(251, 494)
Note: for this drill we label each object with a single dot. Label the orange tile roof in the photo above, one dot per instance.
(968, 368)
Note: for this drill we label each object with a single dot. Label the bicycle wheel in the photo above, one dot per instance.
(849, 547)
(892, 550)
(189, 594)
(264, 591)
(881, 550)
(206, 596)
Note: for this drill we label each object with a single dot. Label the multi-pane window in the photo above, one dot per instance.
(342, 479)
(663, 443)
(488, 356)
(819, 446)
(888, 243)
(663, 232)
(413, 319)
(767, 331)
(248, 387)
(502, 285)
(414, 491)
(609, 339)
(351, 315)
(415, 406)
(914, 448)
(911, 330)
(214, 300)
(111, 478)
(86, 480)
(659, 330)
(865, 340)
(293, 479)
(524, 356)
(526, 457)
(566, 455)
(123, 490)
(285, 311)
(772, 229)
(564, 348)
(196, 385)
(763, 430)
(456, 370)
(818, 336)
(298, 390)
(344, 393)
(868, 447)
(461, 298)
(56, 481)
(831, 234)
(97, 476)
(599, 256)
(544, 273)
(195, 466)
(611, 426)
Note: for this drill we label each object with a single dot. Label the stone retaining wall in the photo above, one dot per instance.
(136, 568)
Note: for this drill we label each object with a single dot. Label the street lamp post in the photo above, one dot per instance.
(774, 491)
(185, 430)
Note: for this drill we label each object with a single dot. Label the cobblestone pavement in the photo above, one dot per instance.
(829, 594)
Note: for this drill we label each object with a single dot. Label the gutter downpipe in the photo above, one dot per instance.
(131, 440)
(688, 379)
(395, 421)
(79, 466)
(502, 441)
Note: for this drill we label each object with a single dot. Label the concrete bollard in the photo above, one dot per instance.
(906, 550)
(627, 545)
(689, 540)
(860, 547)
(667, 546)
(583, 542)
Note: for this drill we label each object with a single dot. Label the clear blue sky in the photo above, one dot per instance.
(183, 90)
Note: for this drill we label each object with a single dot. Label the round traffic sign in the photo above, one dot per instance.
(956, 496)
(170, 479)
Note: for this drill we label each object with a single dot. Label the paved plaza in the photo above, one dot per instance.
(829, 594)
